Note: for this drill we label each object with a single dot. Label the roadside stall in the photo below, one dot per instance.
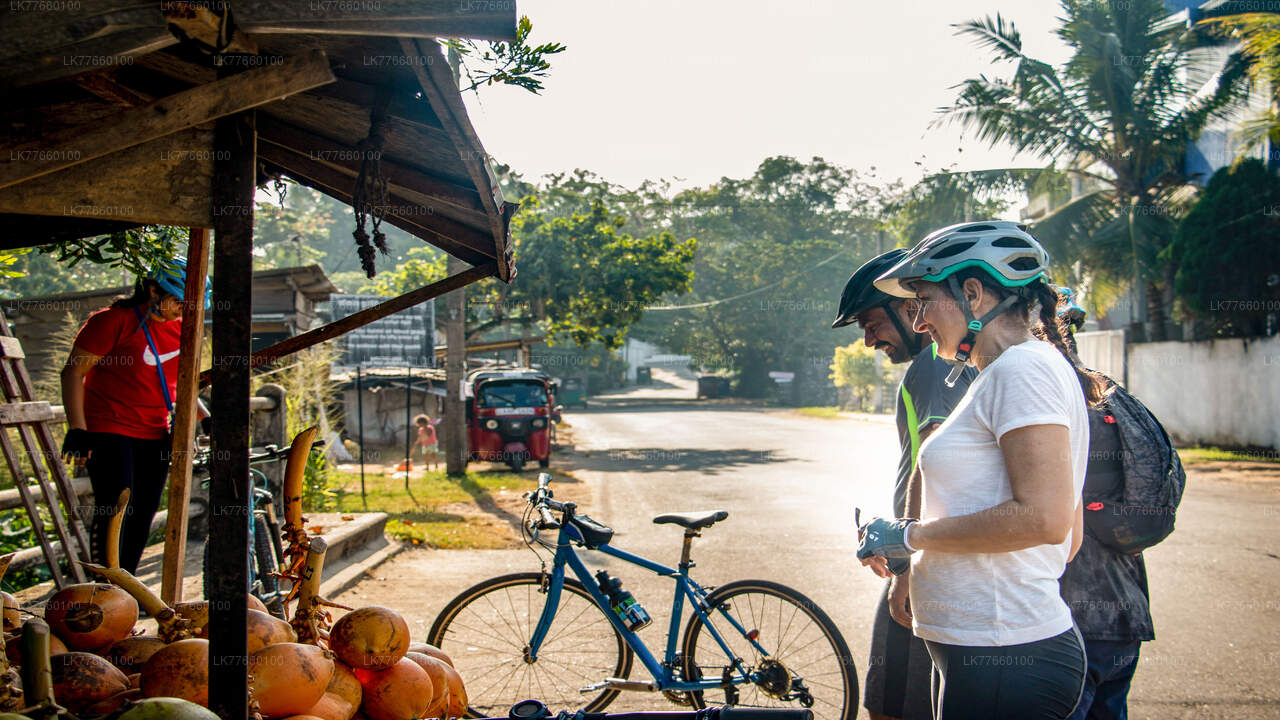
(122, 114)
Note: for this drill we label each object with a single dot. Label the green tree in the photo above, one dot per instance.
(1259, 38)
(1226, 253)
(86, 263)
(857, 367)
(938, 200)
(774, 251)
(1118, 117)
(581, 278)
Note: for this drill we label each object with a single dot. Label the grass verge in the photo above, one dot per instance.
(820, 411)
(472, 512)
(1199, 454)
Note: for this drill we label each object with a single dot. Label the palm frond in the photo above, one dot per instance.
(1069, 232)
(1001, 38)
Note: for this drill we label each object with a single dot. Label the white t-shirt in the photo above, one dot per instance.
(1005, 598)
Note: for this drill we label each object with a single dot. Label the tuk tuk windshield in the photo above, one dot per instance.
(512, 394)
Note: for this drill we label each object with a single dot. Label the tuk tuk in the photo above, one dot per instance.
(509, 414)
(573, 391)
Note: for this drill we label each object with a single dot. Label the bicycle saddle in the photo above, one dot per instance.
(692, 520)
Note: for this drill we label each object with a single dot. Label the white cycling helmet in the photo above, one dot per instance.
(1002, 248)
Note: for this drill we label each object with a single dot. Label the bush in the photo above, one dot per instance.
(1227, 254)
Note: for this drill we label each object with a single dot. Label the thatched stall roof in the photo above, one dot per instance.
(108, 109)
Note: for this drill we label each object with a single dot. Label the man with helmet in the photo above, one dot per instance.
(1001, 479)
(899, 670)
(118, 386)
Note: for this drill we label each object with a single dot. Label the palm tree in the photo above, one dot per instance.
(1117, 117)
(1259, 38)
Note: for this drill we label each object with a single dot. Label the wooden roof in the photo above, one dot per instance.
(107, 120)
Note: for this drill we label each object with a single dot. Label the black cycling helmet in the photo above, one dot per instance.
(860, 295)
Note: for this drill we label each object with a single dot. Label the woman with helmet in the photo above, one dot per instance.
(1002, 479)
(118, 386)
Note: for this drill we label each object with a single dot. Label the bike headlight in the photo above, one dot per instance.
(538, 423)
(490, 424)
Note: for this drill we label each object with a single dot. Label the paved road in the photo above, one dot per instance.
(789, 482)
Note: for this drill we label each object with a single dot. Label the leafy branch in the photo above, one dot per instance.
(501, 63)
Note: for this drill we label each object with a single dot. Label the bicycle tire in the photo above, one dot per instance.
(268, 563)
(753, 603)
(257, 586)
(505, 610)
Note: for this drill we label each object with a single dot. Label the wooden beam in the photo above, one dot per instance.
(166, 181)
(34, 230)
(105, 85)
(168, 115)
(235, 171)
(482, 19)
(119, 48)
(199, 22)
(454, 237)
(366, 316)
(437, 83)
(184, 422)
(25, 412)
(344, 156)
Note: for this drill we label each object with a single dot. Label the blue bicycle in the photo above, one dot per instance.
(571, 641)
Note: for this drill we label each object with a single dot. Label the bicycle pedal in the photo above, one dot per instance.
(593, 688)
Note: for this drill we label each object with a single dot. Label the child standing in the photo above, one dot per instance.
(427, 439)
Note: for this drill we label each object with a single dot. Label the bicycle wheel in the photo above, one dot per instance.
(267, 564)
(805, 653)
(486, 630)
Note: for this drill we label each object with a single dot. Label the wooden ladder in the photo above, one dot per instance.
(31, 418)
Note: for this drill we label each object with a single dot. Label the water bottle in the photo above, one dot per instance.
(623, 603)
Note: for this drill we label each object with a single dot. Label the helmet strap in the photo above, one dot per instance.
(910, 339)
(965, 348)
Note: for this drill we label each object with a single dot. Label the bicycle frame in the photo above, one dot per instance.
(663, 673)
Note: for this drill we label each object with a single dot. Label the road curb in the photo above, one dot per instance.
(351, 575)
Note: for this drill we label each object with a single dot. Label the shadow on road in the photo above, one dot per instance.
(676, 460)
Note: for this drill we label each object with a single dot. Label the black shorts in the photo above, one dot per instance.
(899, 670)
(1039, 680)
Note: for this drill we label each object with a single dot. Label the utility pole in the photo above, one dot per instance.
(455, 362)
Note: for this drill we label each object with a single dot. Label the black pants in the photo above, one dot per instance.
(1039, 680)
(117, 462)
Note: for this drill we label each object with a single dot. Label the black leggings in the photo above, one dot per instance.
(117, 462)
(1039, 680)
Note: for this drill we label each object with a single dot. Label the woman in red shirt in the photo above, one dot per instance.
(118, 386)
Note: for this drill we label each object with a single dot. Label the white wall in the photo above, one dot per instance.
(1104, 351)
(1224, 392)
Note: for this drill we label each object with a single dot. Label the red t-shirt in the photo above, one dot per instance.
(122, 391)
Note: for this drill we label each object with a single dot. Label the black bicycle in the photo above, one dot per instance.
(266, 551)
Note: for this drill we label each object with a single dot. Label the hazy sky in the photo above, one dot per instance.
(699, 90)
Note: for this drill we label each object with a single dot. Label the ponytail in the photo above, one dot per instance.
(1050, 327)
(1054, 330)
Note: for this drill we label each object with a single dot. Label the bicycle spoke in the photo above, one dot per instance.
(580, 648)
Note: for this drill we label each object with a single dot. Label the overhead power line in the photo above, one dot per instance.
(749, 293)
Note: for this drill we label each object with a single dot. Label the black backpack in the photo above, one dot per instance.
(1135, 479)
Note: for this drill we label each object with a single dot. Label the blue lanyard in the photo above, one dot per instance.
(164, 384)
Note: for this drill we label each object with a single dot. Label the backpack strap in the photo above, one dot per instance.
(164, 384)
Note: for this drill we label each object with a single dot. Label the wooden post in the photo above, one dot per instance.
(455, 371)
(235, 153)
(184, 421)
